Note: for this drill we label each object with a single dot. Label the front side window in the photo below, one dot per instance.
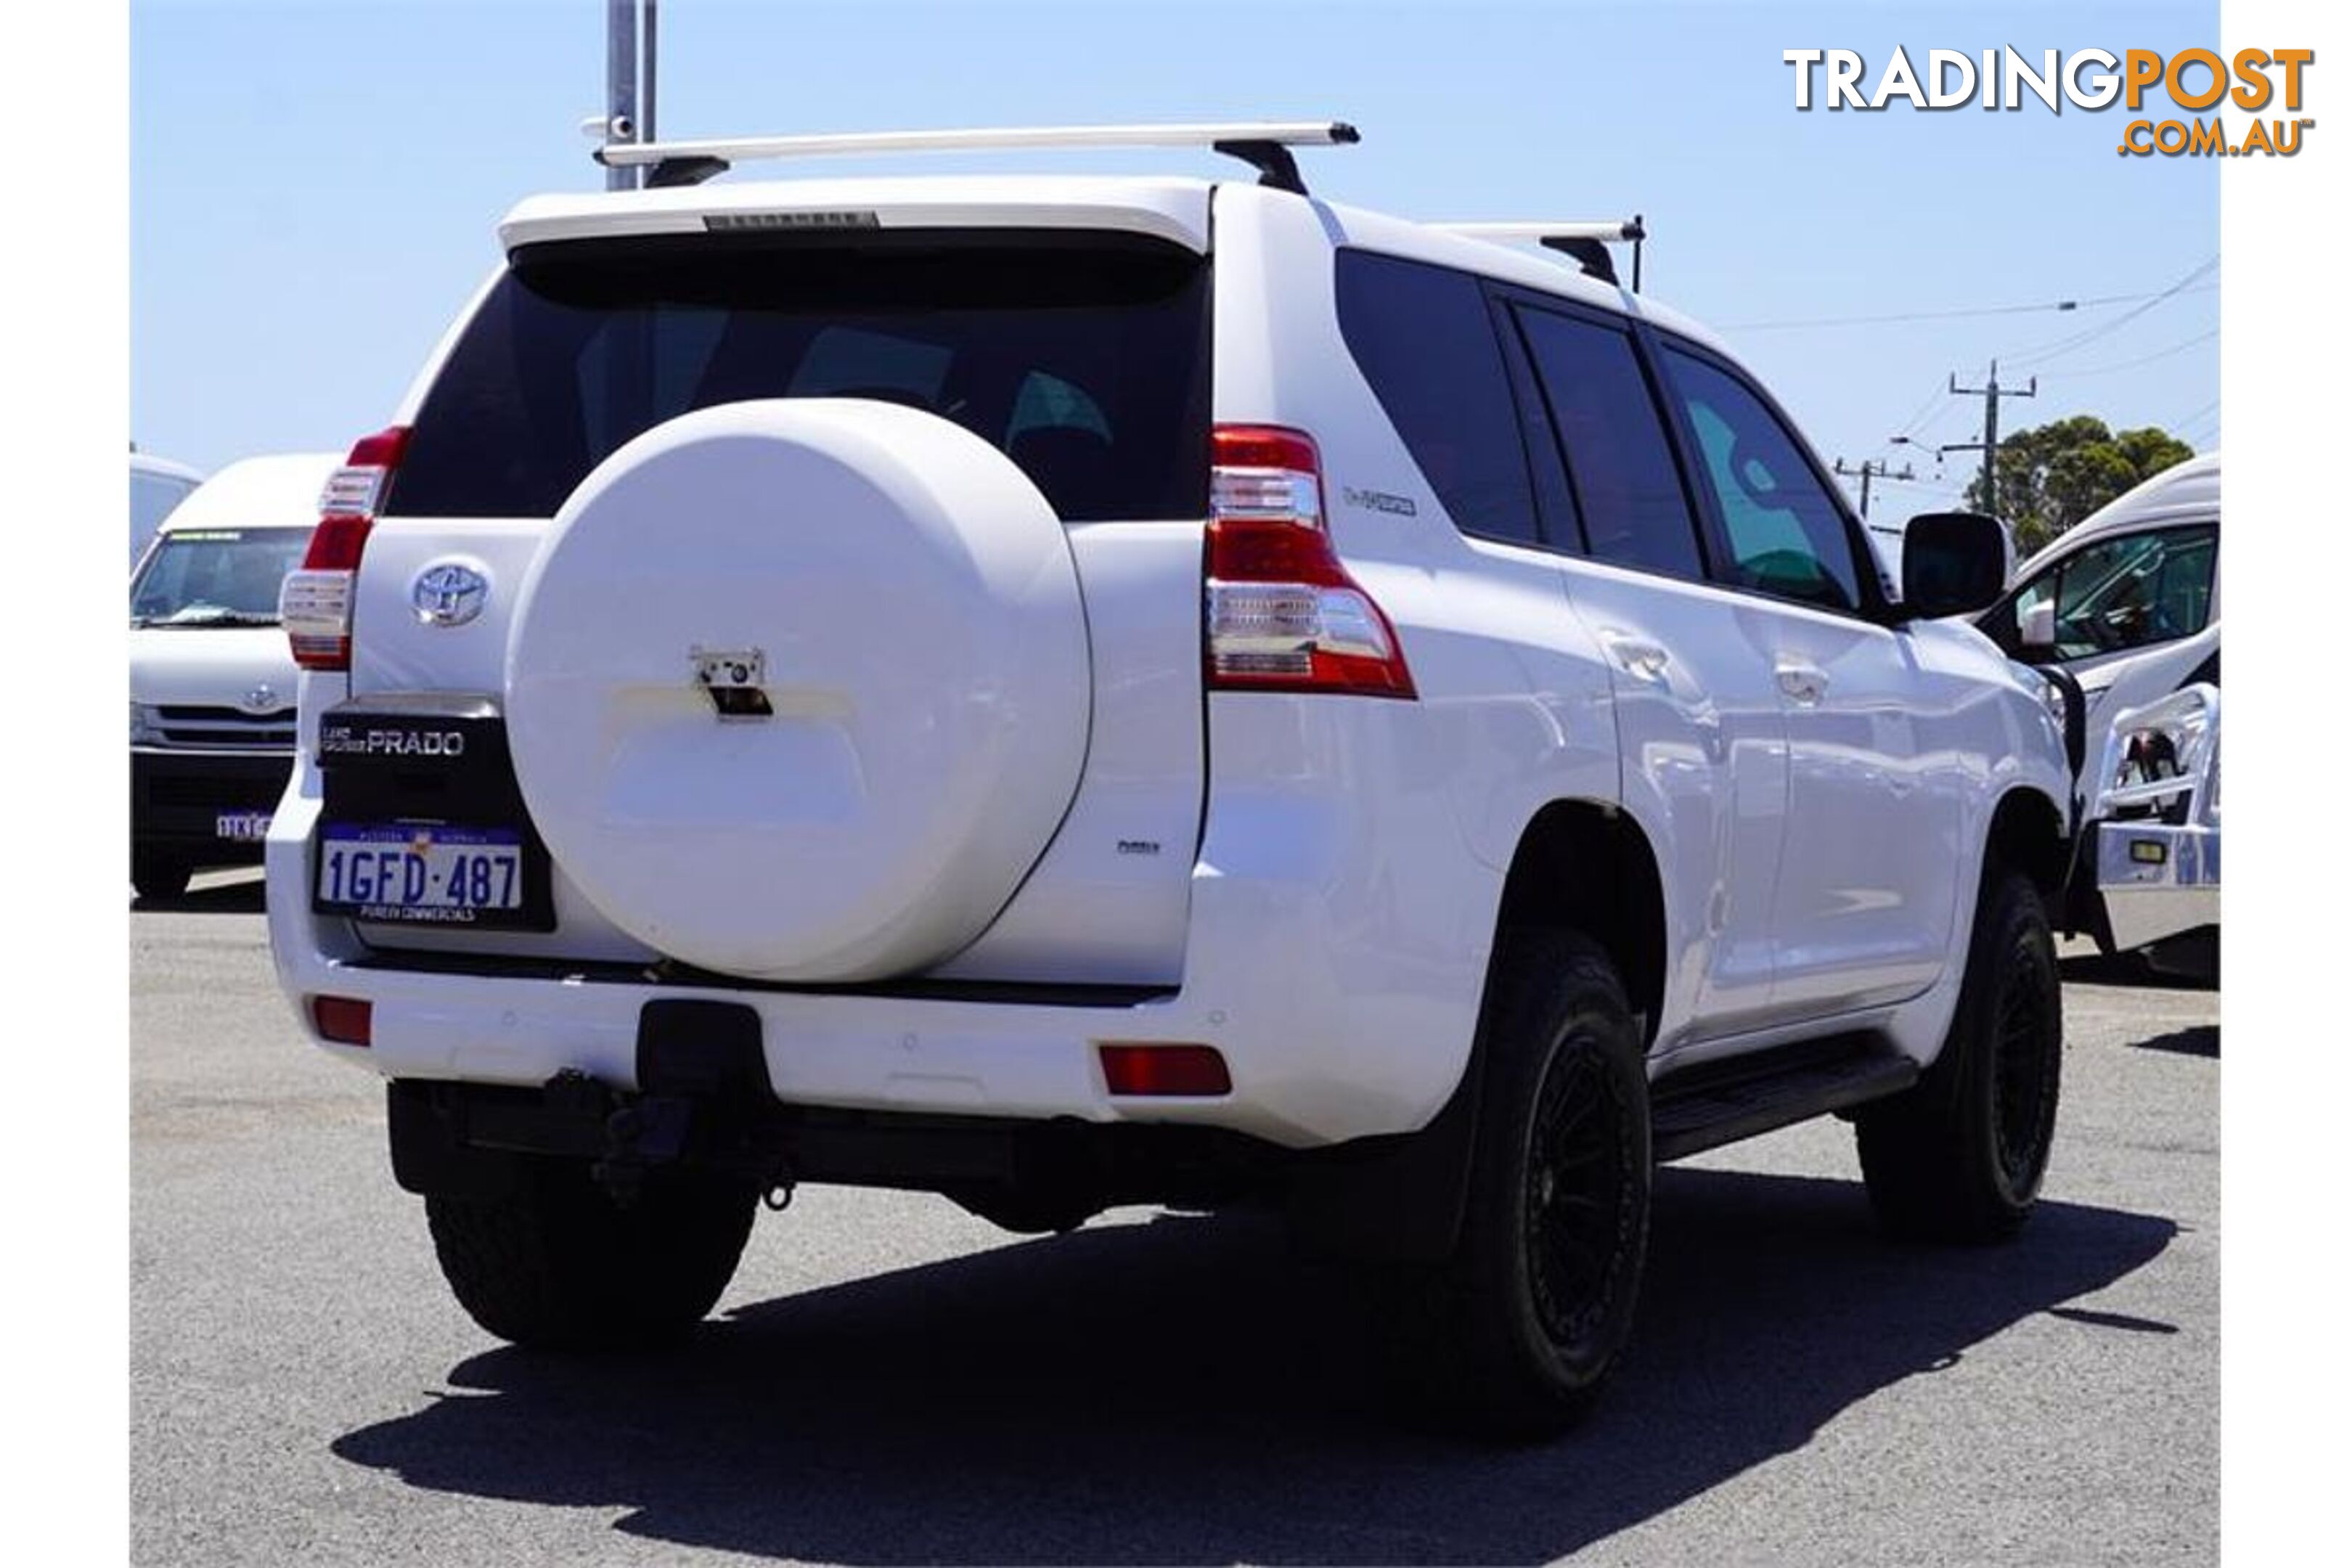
(1786, 532)
(217, 576)
(1628, 491)
(2135, 591)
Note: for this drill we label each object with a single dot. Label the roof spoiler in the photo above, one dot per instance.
(1587, 243)
(1265, 145)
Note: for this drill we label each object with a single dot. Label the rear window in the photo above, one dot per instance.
(1084, 358)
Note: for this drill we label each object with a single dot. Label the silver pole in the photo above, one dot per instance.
(646, 78)
(620, 85)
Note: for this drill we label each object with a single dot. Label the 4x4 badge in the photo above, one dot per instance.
(448, 594)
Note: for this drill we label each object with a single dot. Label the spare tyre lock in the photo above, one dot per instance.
(735, 679)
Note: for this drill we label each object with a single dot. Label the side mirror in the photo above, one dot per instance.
(2038, 626)
(1954, 563)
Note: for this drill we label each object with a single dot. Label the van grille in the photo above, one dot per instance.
(224, 729)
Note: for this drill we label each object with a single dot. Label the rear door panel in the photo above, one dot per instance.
(1034, 347)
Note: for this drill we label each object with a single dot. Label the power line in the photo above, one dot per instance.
(2067, 346)
(2182, 346)
(2194, 419)
(1933, 401)
(1953, 314)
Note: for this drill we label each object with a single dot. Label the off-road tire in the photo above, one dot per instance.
(558, 1264)
(1514, 1334)
(157, 877)
(1960, 1155)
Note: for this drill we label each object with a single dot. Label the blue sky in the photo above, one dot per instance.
(313, 186)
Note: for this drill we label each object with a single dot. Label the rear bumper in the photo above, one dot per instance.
(183, 800)
(2158, 880)
(1342, 1008)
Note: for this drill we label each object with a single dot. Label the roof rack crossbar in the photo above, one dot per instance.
(1586, 242)
(1265, 145)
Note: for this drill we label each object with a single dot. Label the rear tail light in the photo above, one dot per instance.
(1141, 1069)
(315, 603)
(346, 1020)
(1283, 614)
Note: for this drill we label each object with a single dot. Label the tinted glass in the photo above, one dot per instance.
(1425, 343)
(217, 576)
(1627, 487)
(2132, 592)
(1787, 532)
(1084, 359)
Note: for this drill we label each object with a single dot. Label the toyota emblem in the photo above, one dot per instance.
(448, 594)
(262, 699)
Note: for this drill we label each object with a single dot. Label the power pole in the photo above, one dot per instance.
(628, 85)
(1872, 467)
(1992, 392)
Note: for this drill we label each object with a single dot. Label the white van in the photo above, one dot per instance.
(2129, 599)
(2129, 603)
(212, 684)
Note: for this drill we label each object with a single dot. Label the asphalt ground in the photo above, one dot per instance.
(890, 1381)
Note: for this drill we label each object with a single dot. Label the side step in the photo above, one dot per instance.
(1721, 1102)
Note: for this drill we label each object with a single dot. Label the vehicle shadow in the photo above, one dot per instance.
(1184, 1392)
(242, 896)
(2125, 969)
(2201, 1040)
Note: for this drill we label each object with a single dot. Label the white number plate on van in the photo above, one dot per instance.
(439, 874)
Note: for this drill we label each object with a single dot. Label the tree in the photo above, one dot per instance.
(2053, 476)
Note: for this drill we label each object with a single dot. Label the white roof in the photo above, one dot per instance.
(280, 491)
(1536, 268)
(2187, 492)
(1171, 209)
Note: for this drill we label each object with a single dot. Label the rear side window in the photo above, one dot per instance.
(1425, 340)
(1084, 358)
(1628, 489)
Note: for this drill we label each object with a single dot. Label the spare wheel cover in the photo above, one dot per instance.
(916, 608)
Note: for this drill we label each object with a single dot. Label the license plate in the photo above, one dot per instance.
(242, 826)
(454, 876)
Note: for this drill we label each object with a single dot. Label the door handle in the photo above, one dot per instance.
(1642, 659)
(1803, 681)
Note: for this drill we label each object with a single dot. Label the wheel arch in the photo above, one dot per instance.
(1580, 864)
(2028, 832)
(1586, 866)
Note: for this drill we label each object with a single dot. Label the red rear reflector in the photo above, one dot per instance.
(1283, 613)
(346, 1020)
(1165, 1069)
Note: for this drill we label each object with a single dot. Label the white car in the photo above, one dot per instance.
(157, 485)
(212, 683)
(1067, 691)
(2128, 602)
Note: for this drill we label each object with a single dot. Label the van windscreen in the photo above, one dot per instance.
(1082, 356)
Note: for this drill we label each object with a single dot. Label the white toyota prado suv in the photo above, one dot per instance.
(1068, 691)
